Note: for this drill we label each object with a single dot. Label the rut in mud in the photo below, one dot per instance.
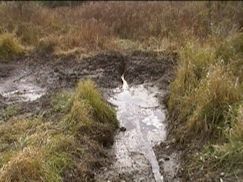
(143, 126)
(139, 103)
(141, 115)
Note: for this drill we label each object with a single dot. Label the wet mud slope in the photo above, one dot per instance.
(31, 82)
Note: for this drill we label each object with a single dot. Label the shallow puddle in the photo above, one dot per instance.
(139, 111)
(20, 88)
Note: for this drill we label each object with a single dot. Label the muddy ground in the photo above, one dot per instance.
(49, 74)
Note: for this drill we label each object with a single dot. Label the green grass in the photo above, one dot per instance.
(205, 97)
(231, 52)
(231, 152)
(204, 89)
(102, 111)
(9, 111)
(215, 95)
(61, 102)
(227, 156)
(34, 150)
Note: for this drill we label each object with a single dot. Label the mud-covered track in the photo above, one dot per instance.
(53, 74)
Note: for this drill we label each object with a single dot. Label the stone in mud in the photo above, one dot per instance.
(166, 158)
(123, 129)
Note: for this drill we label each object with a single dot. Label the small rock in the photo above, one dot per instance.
(173, 140)
(222, 174)
(123, 129)
(166, 158)
(55, 70)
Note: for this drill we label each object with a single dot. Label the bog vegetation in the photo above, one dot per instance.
(206, 95)
(39, 150)
(92, 26)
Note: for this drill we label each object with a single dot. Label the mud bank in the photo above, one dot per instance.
(50, 74)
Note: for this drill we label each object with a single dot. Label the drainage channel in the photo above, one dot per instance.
(139, 111)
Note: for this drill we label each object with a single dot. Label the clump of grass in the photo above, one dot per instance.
(228, 156)
(24, 166)
(47, 45)
(204, 99)
(193, 66)
(102, 111)
(231, 52)
(9, 111)
(9, 46)
(34, 150)
(203, 92)
(61, 101)
(90, 115)
(35, 164)
(237, 130)
(213, 98)
(194, 61)
(231, 48)
(206, 90)
(80, 114)
(29, 34)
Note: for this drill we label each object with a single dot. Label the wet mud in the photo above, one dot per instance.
(140, 113)
(140, 103)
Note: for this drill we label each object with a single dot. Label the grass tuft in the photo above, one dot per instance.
(9, 46)
(102, 111)
(24, 166)
(213, 98)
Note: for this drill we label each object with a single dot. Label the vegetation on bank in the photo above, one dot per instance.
(206, 101)
(72, 147)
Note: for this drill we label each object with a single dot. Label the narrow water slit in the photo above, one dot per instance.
(139, 111)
